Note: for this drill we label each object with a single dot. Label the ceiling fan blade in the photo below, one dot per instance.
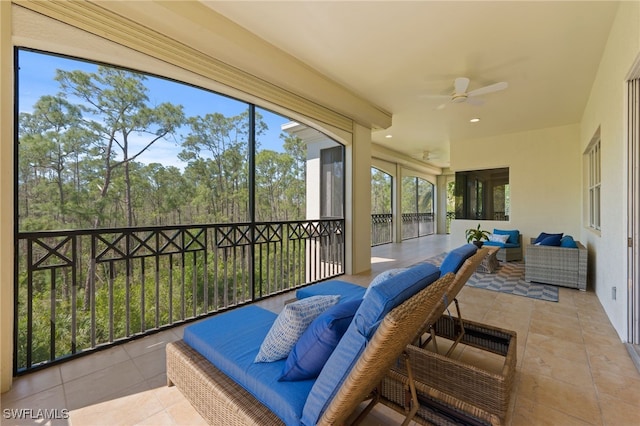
(461, 84)
(489, 89)
(475, 101)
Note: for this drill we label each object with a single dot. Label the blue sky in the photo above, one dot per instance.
(36, 78)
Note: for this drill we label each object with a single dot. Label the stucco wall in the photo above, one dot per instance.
(606, 109)
(545, 177)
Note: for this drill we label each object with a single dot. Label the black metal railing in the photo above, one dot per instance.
(416, 225)
(381, 229)
(77, 291)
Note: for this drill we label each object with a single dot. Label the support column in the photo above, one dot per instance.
(358, 201)
(397, 204)
(6, 197)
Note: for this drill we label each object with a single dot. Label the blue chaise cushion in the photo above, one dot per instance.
(347, 291)
(380, 300)
(230, 341)
(456, 258)
(318, 342)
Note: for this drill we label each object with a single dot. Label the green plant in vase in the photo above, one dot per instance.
(476, 236)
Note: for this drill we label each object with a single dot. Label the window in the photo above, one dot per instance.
(331, 182)
(417, 207)
(483, 194)
(593, 154)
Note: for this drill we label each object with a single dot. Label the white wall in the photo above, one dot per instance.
(545, 177)
(6, 197)
(606, 109)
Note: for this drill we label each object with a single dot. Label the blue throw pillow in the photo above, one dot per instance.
(544, 235)
(514, 235)
(553, 240)
(456, 258)
(318, 342)
(292, 321)
(568, 242)
(380, 300)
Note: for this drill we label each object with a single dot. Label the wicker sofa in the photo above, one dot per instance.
(562, 266)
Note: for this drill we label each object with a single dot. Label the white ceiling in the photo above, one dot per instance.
(393, 53)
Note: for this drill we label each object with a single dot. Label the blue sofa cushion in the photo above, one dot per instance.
(380, 300)
(456, 258)
(544, 235)
(501, 245)
(347, 291)
(514, 236)
(552, 240)
(568, 242)
(292, 321)
(318, 342)
(230, 341)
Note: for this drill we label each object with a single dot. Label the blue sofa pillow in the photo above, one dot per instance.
(552, 240)
(514, 235)
(544, 235)
(568, 242)
(456, 258)
(317, 343)
(380, 300)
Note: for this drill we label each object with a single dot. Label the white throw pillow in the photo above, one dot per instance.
(497, 238)
(292, 321)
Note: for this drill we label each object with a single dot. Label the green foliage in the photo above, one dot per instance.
(78, 168)
(476, 234)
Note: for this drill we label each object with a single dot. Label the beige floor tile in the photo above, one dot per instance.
(574, 401)
(553, 347)
(90, 363)
(27, 411)
(619, 413)
(168, 395)
(160, 419)
(149, 343)
(612, 361)
(152, 363)
(33, 383)
(127, 410)
(624, 388)
(183, 414)
(527, 413)
(541, 362)
(557, 330)
(95, 387)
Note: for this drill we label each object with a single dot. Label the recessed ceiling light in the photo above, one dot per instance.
(474, 120)
(389, 136)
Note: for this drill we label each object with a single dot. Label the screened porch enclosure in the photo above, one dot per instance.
(143, 203)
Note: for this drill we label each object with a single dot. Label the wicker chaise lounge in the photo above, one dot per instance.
(221, 401)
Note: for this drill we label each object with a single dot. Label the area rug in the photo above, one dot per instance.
(508, 278)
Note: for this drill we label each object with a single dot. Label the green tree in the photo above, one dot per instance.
(117, 112)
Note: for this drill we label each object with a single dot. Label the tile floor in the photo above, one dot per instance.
(572, 367)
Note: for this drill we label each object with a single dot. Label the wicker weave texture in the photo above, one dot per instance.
(398, 328)
(560, 266)
(218, 399)
(462, 387)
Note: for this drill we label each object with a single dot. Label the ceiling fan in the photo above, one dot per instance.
(460, 94)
